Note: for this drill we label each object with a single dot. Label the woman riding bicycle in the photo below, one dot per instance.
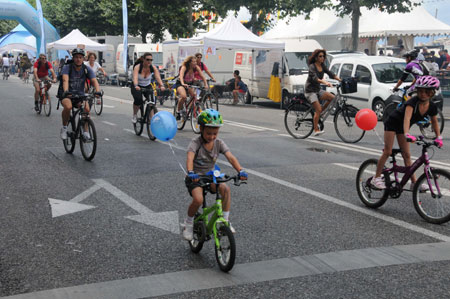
(400, 121)
(186, 77)
(313, 92)
(142, 78)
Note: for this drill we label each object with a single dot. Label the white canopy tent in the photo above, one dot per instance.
(19, 48)
(231, 34)
(334, 33)
(76, 39)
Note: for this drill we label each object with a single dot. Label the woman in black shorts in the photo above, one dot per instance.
(400, 121)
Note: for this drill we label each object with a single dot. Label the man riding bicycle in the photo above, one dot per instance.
(412, 67)
(74, 76)
(40, 71)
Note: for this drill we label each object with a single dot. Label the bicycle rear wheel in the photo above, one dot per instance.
(196, 244)
(433, 205)
(210, 101)
(148, 121)
(345, 125)
(98, 105)
(139, 125)
(47, 105)
(88, 146)
(370, 196)
(427, 129)
(181, 118)
(298, 121)
(226, 251)
(195, 112)
(69, 143)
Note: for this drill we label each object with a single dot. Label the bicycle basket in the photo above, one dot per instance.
(349, 85)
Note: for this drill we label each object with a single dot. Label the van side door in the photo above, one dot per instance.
(364, 79)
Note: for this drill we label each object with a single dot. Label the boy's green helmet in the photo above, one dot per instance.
(210, 118)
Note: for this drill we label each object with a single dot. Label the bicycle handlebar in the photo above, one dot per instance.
(421, 141)
(206, 180)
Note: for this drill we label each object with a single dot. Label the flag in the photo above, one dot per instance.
(125, 35)
(41, 21)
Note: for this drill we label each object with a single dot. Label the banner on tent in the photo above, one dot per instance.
(209, 50)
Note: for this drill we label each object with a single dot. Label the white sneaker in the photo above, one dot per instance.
(188, 231)
(86, 135)
(378, 183)
(63, 133)
(231, 228)
(317, 133)
(424, 188)
(134, 119)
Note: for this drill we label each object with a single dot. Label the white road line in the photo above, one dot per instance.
(82, 196)
(360, 149)
(339, 202)
(253, 127)
(108, 123)
(107, 106)
(117, 100)
(347, 166)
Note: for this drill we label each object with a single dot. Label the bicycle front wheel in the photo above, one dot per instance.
(98, 105)
(345, 125)
(370, 196)
(210, 101)
(432, 198)
(139, 125)
(226, 251)
(41, 100)
(195, 112)
(298, 121)
(148, 121)
(88, 146)
(427, 129)
(47, 105)
(69, 142)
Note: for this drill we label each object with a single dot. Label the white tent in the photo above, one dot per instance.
(76, 39)
(231, 34)
(334, 33)
(18, 47)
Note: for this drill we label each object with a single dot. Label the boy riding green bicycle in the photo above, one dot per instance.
(202, 154)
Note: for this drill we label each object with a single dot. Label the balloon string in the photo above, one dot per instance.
(379, 137)
(173, 152)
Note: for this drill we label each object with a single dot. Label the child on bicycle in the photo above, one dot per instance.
(400, 121)
(202, 154)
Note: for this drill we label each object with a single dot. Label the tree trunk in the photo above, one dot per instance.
(356, 13)
(254, 21)
(189, 12)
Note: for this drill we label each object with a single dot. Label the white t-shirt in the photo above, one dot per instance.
(5, 61)
(94, 68)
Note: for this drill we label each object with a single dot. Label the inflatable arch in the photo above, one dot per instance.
(25, 14)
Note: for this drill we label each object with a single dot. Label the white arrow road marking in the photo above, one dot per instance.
(164, 220)
(63, 207)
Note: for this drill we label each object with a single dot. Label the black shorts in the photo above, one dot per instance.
(137, 95)
(190, 185)
(392, 126)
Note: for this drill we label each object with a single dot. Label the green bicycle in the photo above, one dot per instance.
(214, 226)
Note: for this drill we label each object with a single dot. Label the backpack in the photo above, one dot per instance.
(427, 68)
(46, 65)
(60, 92)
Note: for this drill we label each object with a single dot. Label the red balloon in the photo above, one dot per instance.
(366, 119)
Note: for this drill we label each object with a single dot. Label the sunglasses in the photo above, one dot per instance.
(199, 57)
(148, 59)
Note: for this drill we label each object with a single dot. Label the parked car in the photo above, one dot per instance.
(376, 77)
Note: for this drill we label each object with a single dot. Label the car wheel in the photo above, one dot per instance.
(378, 106)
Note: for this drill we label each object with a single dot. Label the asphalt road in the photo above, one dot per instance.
(108, 228)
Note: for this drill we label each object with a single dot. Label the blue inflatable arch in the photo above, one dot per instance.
(25, 14)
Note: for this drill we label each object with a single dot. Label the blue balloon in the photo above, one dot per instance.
(164, 125)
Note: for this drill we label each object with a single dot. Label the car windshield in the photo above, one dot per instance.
(390, 72)
(297, 62)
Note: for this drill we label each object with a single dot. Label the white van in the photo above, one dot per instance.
(255, 67)
(134, 52)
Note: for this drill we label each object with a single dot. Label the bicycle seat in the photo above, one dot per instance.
(396, 151)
